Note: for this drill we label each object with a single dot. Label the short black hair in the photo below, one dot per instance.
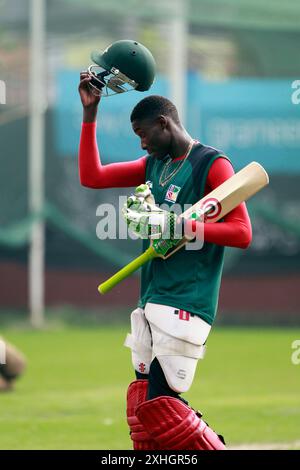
(153, 106)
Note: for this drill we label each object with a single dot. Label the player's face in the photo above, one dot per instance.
(155, 138)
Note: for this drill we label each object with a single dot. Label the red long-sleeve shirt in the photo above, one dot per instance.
(234, 231)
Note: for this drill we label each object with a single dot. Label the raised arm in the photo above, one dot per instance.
(92, 173)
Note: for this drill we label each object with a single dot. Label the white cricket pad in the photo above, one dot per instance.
(178, 343)
(139, 341)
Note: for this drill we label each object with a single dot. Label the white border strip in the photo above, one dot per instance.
(2, 92)
(293, 445)
(2, 352)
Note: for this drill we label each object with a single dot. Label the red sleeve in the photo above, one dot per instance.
(235, 230)
(114, 175)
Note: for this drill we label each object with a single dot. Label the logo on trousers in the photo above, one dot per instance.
(181, 374)
(183, 314)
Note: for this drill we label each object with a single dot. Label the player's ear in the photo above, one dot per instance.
(163, 122)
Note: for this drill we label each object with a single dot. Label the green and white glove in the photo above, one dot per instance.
(143, 192)
(146, 220)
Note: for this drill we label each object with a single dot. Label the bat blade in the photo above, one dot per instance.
(237, 189)
(219, 202)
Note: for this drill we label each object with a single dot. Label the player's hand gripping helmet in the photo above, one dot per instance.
(124, 66)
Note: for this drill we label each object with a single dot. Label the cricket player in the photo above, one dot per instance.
(179, 296)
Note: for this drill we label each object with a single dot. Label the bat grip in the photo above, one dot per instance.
(127, 270)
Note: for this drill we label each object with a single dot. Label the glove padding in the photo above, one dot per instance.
(146, 220)
(143, 191)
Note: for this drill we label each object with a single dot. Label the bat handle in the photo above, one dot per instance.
(127, 270)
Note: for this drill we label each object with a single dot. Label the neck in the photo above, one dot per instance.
(180, 144)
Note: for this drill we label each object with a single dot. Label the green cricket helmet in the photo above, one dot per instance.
(125, 65)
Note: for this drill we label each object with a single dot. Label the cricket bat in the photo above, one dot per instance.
(211, 208)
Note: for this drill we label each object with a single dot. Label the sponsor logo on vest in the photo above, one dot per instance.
(172, 193)
(142, 367)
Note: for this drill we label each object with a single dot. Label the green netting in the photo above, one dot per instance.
(18, 235)
(273, 216)
(56, 218)
(253, 14)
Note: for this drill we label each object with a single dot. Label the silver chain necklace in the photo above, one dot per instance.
(163, 180)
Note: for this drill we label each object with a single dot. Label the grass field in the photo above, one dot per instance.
(72, 395)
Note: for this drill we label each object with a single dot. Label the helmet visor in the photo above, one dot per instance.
(104, 81)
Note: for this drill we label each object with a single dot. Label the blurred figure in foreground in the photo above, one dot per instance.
(11, 367)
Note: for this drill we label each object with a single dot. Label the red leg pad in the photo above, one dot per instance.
(175, 426)
(136, 395)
